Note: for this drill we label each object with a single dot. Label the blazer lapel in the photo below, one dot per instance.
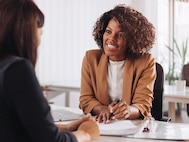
(102, 85)
(127, 81)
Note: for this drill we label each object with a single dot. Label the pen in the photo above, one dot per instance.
(112, 114)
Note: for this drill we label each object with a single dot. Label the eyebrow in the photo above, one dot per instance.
(118, 31)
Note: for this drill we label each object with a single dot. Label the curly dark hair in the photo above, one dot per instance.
(139, 32)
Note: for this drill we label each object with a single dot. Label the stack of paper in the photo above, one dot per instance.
(121, 127)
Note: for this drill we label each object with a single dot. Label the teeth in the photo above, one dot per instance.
(111, 46)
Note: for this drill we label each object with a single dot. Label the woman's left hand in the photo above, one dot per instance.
(121, 110)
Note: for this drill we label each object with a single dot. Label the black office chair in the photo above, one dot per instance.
(185, 76)
(157, 104)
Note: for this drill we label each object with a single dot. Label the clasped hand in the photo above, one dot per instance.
(114, 111)
(85, 129)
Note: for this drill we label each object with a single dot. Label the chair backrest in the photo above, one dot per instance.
(185, 74)
(157, 104)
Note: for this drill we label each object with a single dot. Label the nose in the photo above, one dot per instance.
(112, 37)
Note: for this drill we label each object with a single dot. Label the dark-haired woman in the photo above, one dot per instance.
(24, 112)
(117, 79)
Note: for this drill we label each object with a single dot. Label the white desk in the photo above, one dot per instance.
(59, 88)
(159, 132)
(172, 96)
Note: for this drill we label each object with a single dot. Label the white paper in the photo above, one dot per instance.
(121, 127)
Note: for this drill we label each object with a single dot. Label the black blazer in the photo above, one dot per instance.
(24, 112)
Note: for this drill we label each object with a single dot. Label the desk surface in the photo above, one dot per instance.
(124, 139)
(159, 131)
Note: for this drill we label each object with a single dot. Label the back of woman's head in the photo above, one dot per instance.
(19, 21)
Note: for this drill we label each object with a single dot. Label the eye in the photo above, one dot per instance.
(107, 31)
(121, 34)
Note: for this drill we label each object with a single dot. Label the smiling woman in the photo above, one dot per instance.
(121, 68)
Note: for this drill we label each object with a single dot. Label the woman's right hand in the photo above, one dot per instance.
(102, 114)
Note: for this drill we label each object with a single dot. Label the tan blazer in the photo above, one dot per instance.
(138, 82)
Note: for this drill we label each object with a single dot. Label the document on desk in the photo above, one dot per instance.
(121, 127)
(165, 131)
